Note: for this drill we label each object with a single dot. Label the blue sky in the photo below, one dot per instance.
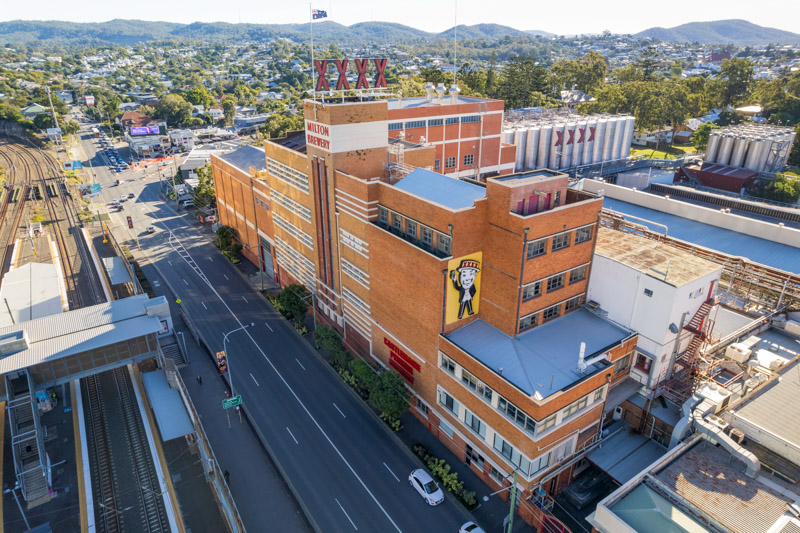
(572, 17)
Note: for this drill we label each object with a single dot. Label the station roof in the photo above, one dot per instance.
(245, 157)
(670, 265)
(73, 332)
(171, 417)
(116, 270)
(544, 360)
(756, 249)
(30, 291)
(447, 192)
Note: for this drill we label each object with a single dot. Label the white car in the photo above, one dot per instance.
(426, 486)
(470, 527)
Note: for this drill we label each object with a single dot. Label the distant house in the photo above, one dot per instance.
(574, 98)
(198, 110)
(65, 96)
(717, 57)
(216, 112)
(661, 137)
(33, 111)
(182, 140)
(129, 106)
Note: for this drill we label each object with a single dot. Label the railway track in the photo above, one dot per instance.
(136, 505)
(12, 205)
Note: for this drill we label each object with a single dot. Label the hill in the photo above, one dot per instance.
(734, 31)
(128, 32)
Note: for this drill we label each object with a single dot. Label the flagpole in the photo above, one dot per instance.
(313, 73)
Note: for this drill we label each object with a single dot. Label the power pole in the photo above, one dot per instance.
(513, 500)
(52, 109)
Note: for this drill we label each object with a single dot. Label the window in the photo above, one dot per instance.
(476, 385)
(598, 395)
(541, 463)
(435, 122)
(643, 363)
(537, 248)
(621, 364)
(437, 165)
(555, 283)
(497, 475)
(557, 199)
(447, 430)
(469, 160)
(472, 456)
(415, 124)
(527, 322)
(449, 402)
(473, 118)
(383, 215)
(516, 414)
(451, 120)
(574, 408)
(447, 364)
(572, 303)
(550, 313)
(395, 126)
(450, 162)
(475, 424)
(531, 291)
(503, 447)
(427, 236)
(648, 293)
(422, 408)
(397, 222)
(560, 241)
(577, 274)
(583, 234)
(443, 244)
(411, 229)
(547, 423)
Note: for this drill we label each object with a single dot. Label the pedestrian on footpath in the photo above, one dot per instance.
(199, 379)
(227, 394)
(227, 477)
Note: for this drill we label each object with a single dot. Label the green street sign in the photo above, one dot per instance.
(227, 403)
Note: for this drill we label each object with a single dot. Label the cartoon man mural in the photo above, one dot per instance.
(463, 279)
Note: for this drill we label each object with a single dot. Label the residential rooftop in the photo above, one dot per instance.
(652, 258)
(448, 192)
(544, 360)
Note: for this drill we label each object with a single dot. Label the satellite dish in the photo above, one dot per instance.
(673, 328)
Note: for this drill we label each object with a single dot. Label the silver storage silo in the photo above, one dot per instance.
(725, 149)
(508, 136)
(556, 145)
(753, 150)
(580, 137)
(520, 137)
(530, 148)
(545, 134)
(611, 133)
(763, 154)
(619, 133)
(567, 145)
(711, 149)
(739, 148)
(599, 137)
(625, 149)
(588, 146)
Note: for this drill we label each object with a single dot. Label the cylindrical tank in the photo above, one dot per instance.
(608, 143)
(763, 155)
(545, 134)
(753, 150)
(739, 148)
(568, 145)
(556, 145)
(588, 145)
(508, 136)
(725, 149)
(599, 136)
(531, 147)
(520, 137)
(619, 133)
(627, 138)
(580, 138)
(711, 149)
(792, 136)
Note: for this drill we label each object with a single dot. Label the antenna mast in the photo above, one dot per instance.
(455, 42)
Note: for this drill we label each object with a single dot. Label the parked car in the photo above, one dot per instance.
(426, 486)
(470, 527)
(151, 229)
(130, 222)
(131, 195)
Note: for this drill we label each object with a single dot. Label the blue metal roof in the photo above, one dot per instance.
(543, 360)
(167, 405)
(245, 157)
(730, 242)
(440, 189)
(626, 453)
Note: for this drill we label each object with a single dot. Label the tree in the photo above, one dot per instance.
(326, 337)
(584, 74)
(491, 75)
(794, 155)
(783, 188)
(738, 75)
(433, 75)
(278, 124)
(701, 135)
(198, 96)
(647, 62)
(471, 80)
(290, 301)
(229, 109)
(389, 395)
(411, 87)
(204, 194)
(174, 110)
(523, 77)
(43, 121)
(364, 373)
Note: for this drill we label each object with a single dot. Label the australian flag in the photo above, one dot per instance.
(318, 14)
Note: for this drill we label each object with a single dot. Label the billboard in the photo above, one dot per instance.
(464, 287)
(145, 130)
(89, 99)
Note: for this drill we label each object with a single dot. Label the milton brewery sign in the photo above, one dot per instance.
(342, 84)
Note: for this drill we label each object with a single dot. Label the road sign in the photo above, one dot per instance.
(227, 403)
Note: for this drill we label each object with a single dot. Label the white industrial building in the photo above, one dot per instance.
(760, 148)
(557, 141)
(653, 289)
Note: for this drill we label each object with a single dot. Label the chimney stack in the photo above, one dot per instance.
(429, 92)
(581, 362)
(440, 92)
(454, 92)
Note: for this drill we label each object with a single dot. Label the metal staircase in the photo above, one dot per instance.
(31, 463)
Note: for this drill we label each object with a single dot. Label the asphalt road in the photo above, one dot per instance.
(348, 472)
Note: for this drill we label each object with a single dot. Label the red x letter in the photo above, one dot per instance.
(380, 79)
(591, 134)
(341, 66)
(322, 69)
(361, 65)
(560, 135)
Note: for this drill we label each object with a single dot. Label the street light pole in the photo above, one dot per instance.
(227, 359)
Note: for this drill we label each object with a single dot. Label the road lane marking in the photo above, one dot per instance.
(340, 412)
(170, 262)
(299, 363)
(347, 515)
(204, 306)
(392, 473)
(211, 259)
(292, 435)
(257, 385)
(186, 282)
(245, 300)
(268, 327)
(226, 277)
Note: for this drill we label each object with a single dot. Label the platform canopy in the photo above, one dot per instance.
(171, 417)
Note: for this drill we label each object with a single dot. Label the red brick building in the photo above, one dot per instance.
(472, 291)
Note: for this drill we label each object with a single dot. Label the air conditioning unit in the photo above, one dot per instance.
(617, 413)
(737, 435)
(738, 352)
(792, 327)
